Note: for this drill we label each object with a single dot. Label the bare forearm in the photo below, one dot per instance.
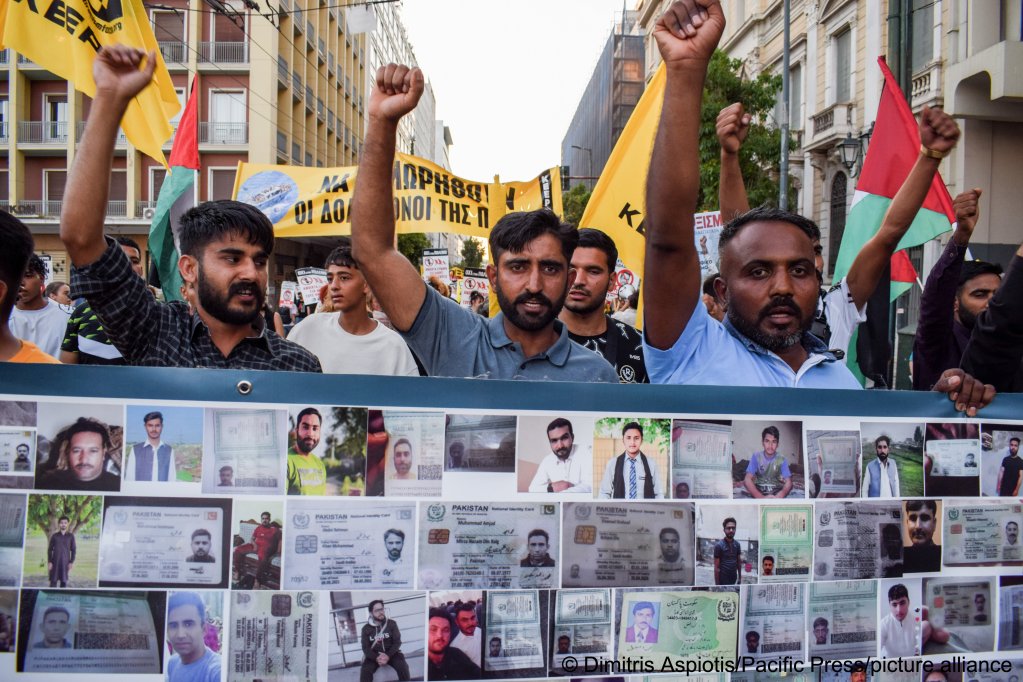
(672, 265)
(732, 199)
(85, 198)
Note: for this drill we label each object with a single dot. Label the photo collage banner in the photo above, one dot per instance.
(241, 540)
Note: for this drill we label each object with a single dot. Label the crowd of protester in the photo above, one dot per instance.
(766, 319)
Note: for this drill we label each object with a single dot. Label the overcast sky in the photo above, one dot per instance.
(508, 75)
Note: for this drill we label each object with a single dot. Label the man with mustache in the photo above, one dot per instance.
(768, 277)
(82, 463)
(594, 261)
(881, 476)
(923, 556)
(564, 469)
(307, 474)
(530, 274)
(224, 246)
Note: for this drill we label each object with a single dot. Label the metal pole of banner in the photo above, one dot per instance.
(783, 165)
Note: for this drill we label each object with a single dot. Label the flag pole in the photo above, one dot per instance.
(783, 165)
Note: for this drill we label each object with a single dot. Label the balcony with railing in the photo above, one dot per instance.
(831, 125)
(321, 50)
(309, 99)
(296, 86)
(144, 209)
(117, 209)
(296, 153)
(320, 109)
(3, 132)
(213, 132)
(282, 143)
(5, 57)
(174, 52)
(224, 53)
(282, 72)
(42, 132)
(926, 86)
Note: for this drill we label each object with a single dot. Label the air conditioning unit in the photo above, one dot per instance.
(148, 213)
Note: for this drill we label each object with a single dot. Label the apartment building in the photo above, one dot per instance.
(283, 86)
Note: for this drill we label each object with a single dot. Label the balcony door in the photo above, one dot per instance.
(227, 117)
(55, 118)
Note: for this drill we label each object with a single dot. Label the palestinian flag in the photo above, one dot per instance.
(894, 148)
(177, 195)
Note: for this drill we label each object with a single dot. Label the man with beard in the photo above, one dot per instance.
(446, 662)
(955, 293)
(266, 540)
(594, 261)
(307, 474)
(402, 456)
(202, 544)
(768, 279)
(881, 476)
(381, 644)
(1009, 473)
(727, 556)
(564, 469)
(469, 637)
(394, 569)
(631, 475)
(923, 556)
(60, 553)
(224, 246)
(530, 274)
(671, 565)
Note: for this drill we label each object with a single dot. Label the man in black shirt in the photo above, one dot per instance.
(446, 662)
(594, 262)
(1009, 473)
(224, 245)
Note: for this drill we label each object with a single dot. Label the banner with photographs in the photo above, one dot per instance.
(306, 530)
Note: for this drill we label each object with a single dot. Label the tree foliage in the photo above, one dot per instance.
(411, 246)
(760, 153)
(574, 203)
(472, 253)
(83, 512)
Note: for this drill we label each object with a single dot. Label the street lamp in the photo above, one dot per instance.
(849, 151)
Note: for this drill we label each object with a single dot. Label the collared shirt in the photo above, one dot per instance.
(576, 469)
(889, 479)
(607, 482)
(167, 335)
(454, 342)
(172, 470)
(712, 353)
(900, 638)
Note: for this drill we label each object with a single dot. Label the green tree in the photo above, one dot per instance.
(759, 157)
(83, 512)
(472, 253)
(411, 246)
(574, 203)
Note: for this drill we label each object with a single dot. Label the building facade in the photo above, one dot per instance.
(614, 89)
(287, 87)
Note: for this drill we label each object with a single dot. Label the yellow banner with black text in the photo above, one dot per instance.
(316, 202)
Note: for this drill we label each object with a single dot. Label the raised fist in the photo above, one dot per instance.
(967, 209)
(733, 127)
(689, 31)
(396, 92)
(937, 130)
(119, 71)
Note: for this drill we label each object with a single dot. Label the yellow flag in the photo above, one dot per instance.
(617, 206)
(63, 36)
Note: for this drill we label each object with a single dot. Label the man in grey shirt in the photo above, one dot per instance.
(531, 274)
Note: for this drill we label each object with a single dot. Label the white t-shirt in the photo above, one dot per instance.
(380, 352)
(44, 327)
(843, 316)
(899, 638)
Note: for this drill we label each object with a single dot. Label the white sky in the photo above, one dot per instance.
(508, 75)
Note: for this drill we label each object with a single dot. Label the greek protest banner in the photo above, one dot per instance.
(316, 202)
(453, 494)
(435, 264)
(310, 281)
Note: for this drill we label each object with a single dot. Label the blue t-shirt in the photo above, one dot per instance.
(711, 353)
(206, 669)
(454, 342)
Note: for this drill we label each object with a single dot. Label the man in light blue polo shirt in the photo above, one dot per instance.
(531, 274)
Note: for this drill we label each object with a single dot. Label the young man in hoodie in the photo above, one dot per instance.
(381, 644)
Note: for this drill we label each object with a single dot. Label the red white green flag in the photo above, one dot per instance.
(894, 148)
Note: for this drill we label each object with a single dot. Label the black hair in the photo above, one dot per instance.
(595, 239)
(767, 557)
(708, 285)
(213, 220)
(773, 430)
(374, 603)
(897, 592)
(129, 242)
(1014, 439)
(394, 531)
(634, 299)
(179, 599)
(640, 605)
(763, 214)
(87, 425)
(729, 519)
(56, 609)
(202, 531)
(35, 266)
(15, 257)
(561, 422)
(307, 411)
(153, 415)
(539, 531)
(668, 531)
(63, 518)
(820, 621)
(917, 505)
(467, 606)
(976, 268)
(630, 426)
(341, 256)
(884, 438)
(402, 441)
(515, 230)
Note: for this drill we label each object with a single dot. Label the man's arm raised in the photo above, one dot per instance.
(686, 36)
(392, 278)
(732, 128)
(939, 133)
(120, 73)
